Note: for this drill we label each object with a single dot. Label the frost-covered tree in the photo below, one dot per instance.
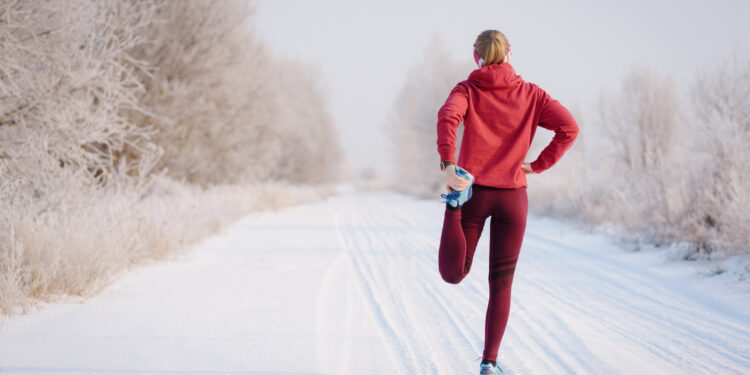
(718, 186)
(65, 79)
(99, 98)
(412, 127)
(640, 123)
(223, 106)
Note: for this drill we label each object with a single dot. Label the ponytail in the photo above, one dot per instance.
(492, 46)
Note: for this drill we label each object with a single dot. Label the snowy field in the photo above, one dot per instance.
(351, 286)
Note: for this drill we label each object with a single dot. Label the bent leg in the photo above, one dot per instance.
(461, 231)
(507, 228)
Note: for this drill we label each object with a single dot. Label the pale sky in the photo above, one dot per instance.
(572, 49)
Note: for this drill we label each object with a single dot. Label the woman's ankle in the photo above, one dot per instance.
(451, 208)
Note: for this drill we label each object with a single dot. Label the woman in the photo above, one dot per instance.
(500, 112)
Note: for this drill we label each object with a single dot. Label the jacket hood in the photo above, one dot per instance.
(495, 76)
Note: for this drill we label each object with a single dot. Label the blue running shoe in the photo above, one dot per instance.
(489, 369)
(457, 198)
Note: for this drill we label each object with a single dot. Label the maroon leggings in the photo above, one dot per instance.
(461, 231)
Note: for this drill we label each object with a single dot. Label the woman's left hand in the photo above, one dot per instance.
(527, 168)
(453, 181)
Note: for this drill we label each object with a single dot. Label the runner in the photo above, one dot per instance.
(500, 112)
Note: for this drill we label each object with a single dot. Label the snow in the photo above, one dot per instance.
(351, 285)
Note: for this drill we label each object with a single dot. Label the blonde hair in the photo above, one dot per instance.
(492, 46)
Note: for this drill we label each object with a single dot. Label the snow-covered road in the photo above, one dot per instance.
(351, 286)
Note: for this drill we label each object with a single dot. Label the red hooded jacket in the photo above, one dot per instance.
(500, 112)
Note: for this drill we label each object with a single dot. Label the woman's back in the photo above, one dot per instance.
(500, 112)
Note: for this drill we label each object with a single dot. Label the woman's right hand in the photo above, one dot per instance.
(527, 168)
(454, 181)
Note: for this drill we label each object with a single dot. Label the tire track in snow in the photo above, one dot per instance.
(412, 246)
(667, 302)
(549, 304)
(324, 302)
(551, 326)
(388, 333)
(388, 262)
(659, 317)
(399, 312)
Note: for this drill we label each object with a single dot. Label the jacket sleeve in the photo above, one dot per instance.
(450, 115)
(555, 117)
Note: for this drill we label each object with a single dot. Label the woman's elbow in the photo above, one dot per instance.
(574, 130)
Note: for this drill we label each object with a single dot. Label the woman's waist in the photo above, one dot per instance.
(487, 187)
(504, 174)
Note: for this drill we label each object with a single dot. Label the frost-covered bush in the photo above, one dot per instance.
(78, 249)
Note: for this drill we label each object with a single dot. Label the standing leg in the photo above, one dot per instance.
(507, 227)
(461, 230)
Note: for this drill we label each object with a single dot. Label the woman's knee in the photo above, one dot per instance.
(452, 278)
